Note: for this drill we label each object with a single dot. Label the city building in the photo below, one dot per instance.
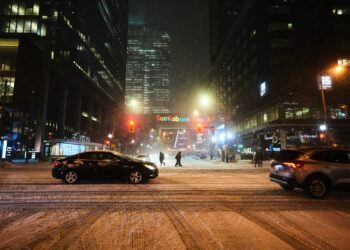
(147, 77)
(268, 73)
(62, 73)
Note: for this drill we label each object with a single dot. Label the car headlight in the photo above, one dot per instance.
(150, 167)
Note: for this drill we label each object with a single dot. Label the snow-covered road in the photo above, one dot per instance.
(182, 209)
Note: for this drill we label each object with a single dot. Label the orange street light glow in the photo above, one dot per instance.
(339, 69)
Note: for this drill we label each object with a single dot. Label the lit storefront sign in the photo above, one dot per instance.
(171, 118)
(325, 83)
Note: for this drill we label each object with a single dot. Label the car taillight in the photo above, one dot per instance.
(295, 165)
(56, 164)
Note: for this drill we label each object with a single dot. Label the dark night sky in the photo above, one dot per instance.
(187, 23)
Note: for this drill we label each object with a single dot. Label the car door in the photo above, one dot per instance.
(339, 166)
(90, 165)
(117, 167)
(106, 165)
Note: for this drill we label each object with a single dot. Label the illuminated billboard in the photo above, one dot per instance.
(325, 83)
(173, 119)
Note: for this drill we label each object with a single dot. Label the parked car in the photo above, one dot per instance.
(314, 170)
(103, 164)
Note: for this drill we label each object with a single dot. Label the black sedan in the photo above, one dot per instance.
(103, 164)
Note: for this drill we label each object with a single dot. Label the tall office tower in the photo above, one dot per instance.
(147, 77)
(222, 16)
(62, 70)
(272, 64)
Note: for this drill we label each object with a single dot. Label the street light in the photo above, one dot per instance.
(339, 69)
(326, 83)
(204, 101)
(133, 103)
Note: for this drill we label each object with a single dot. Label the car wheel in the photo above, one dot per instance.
(287, 187)
(135, 177)
(317, 187)
(71, 177)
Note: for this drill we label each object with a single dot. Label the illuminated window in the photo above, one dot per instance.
(340, 12)
(12, 28)
(7, 85)
(265, 117)
(27, 26)
(34, 28)
(55, 14)
(263, 89)
(21, 9)
(344, 62)
(5, 67)
(43, 30)
(14, 9)
(85, 114)
(20, 26)
(36, 9)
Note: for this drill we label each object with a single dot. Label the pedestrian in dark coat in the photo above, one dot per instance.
(161, 158)
(258, 159)
(178, 159)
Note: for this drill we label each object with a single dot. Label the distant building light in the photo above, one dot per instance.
(265, 117)
(263, 89)
(343, 62)
(36, 9)
(323, 127)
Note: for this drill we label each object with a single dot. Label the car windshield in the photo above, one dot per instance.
(289, 155)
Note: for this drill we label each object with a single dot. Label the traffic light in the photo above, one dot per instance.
(131, 126)
(199, 128)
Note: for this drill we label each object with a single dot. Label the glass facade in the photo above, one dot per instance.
(147, 79)
(56, 63)
(8, 65)
(288, 48)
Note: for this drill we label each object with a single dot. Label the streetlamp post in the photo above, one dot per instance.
(110, 137)
(205, 101)
(326, 84)
(324, 107)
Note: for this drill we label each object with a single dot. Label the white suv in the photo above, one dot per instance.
(314, 170)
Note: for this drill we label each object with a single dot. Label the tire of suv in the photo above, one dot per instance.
(317, 186)
(287, 187)
(71, 177)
